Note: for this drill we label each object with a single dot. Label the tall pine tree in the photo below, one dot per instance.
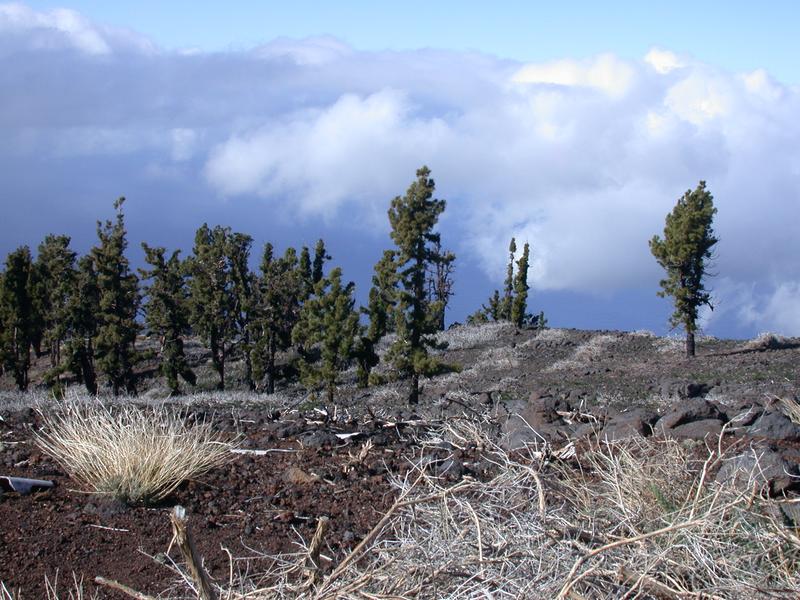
(328, 319)
(56, 273)
(83, 311)
(519, 303)
(115, 342)
(243, 288)
(167, 313)
(683, 253)
(413, 218)
(212, 302)
(279, 294)
(17, 315)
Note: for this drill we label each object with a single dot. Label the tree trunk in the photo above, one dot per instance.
(413, 397)
(271, 367)
(689, 344)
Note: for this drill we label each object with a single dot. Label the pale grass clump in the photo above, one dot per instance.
(137, 455)
(766, 341)
(591, 350)
(465, 337)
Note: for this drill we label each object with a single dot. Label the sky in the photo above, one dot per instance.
(572, 126)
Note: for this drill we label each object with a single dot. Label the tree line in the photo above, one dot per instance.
(86, 312)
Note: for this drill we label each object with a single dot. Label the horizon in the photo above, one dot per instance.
(297, 123)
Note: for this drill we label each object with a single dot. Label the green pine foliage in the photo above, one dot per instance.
(83, 311)
(167, 313)
(320, 257)
(243, 290)
(279, 292)
(519, 303)
(413, 218)
(329, 320)
(119, 301)
(212, 302)
(683, 253)
(513, 304)
(55, 282)
(17, 315)
(440, 283)
(306, 276)
(508, 288)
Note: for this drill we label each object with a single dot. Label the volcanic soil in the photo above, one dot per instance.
(339, 462)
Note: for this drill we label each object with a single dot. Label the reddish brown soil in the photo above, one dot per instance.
(250, 508)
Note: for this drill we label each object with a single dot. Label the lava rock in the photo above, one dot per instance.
(762, 467)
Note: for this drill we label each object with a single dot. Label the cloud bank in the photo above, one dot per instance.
(582, 158)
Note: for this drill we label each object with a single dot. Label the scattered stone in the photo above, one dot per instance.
(763, 468)
(774, 425)
(697, 430)
(672, 388)
(296, 476)
(688, 412)
(637, 422)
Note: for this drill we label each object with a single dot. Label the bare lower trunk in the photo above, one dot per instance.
(413, 397)
(690, 344)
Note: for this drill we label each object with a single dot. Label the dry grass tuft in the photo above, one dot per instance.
(639, 519)
(589, 351)
(137, 455)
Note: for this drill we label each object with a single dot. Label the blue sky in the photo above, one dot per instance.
(574, 126)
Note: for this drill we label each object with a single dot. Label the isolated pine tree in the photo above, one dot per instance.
(56, 273)
(519, 303)
(683, 252)
(211, 297)
(167, 313)
(328, 319)
(508, 288)
(83, 310)
(118, 305)
(277, 310)
(413, 218)
(17, 315)
(243, 288)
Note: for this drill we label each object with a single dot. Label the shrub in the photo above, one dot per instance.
(138, 456)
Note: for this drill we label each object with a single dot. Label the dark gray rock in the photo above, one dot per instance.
(318, 439)
(689, 411)
(774, 425)
(697, 430)
(637, 422)
(762, 468)
(678, 388)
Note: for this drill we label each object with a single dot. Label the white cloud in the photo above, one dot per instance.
(61, 27)
(583, 159)
(605, 72)
(663, 61)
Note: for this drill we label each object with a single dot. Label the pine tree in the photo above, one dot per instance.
(277, 312)
(519, 304)
(440, 282)
(118, 305)
(167, 313)
(508, 289)
(55, 267)
(687, 245)
(383, 296)
(211, 298)
(305, 273)
(413, 218)
(243, 288)
(83, 309)
(320, 256)
(328, 319)
(17, 315)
